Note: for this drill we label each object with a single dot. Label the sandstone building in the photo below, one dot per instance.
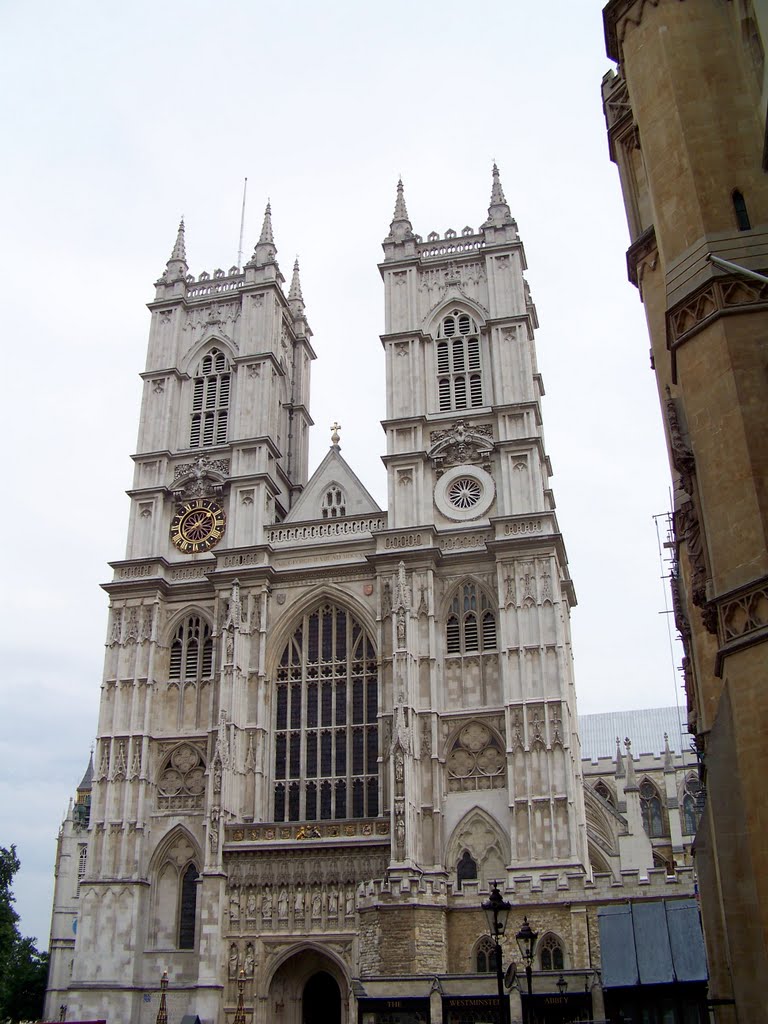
(325, 728)
(687, 128)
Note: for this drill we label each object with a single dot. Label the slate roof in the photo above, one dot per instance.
(645, 728)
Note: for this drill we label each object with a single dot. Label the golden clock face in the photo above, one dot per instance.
(198, 525)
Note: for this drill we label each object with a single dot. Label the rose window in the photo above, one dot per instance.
(465, 492)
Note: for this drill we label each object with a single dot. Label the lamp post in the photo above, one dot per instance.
(240, 1011)
(562, 985)
(162, 1013)
(526, 942)
(497, 911)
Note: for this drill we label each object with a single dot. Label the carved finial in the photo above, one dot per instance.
(631, 778)
(668, 763)
(294, 293)
(179, 249)
(266, 227)
(498, 211)
(400, 227)
(335, 428)
(619, 759)
(265, 250)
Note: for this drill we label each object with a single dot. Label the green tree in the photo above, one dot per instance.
(23, 969)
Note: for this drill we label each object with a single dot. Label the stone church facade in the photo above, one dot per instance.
(325, 727)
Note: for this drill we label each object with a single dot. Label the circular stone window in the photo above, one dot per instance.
(464, 492)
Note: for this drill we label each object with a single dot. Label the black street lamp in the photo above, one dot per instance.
(497, 911)
(526, 941)
(562, 985)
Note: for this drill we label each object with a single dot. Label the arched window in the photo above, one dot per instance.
(485, 956)
(187, 908)
(471, 624)
(691, 805)
(333, 504)
(326, 728)
(82, 860)
(459, 374)
(650, 805)
(740, 209)
(210, 401)
(603, 791)
(192, 650)
(466, 869)
(551, 955)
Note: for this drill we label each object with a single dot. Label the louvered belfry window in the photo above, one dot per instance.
(192, 650)
(471, 623)
(459, 377)
(210, 401)
(326, 729)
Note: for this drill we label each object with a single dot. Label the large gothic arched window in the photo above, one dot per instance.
(551, 953)
(210, 401)
(459, 376)
(326, 731)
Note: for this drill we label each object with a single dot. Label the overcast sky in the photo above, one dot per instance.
(117, 119)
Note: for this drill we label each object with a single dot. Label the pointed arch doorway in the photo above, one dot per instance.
(309, 987)
(321, 1000)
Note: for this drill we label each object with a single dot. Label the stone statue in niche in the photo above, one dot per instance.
(349, 905)
(234, 961)
(213, 830)
(317, 905)
(249, 963)
(298, 903)
(234, 906)
(282, 905)
(333, 904)
(266, 903)
(250, 906)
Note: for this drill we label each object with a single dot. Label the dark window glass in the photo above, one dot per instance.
(188, 908)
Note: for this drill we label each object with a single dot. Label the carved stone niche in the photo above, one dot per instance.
(203, 478)
(461, 445)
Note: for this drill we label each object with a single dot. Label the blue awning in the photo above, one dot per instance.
(653, 942)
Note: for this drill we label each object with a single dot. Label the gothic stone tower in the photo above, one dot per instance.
(324, 727)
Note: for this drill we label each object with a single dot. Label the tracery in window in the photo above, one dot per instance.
(210, 401)
(485, 956)
(551, 954)
(650, 805)
(691, 805)
(333, 504)
(471, 623)
(181, 783)
(466, 869)
(602, 790)
(326, 728)
(476, 760)
(192, 650)
(459, 376)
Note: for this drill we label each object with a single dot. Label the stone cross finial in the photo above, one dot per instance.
(335, 428)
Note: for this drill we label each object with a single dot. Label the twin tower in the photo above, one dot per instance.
(325, 726)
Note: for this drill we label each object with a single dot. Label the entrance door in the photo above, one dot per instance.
(321, 1001)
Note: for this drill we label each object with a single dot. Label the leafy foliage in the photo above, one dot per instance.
(23, 969)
